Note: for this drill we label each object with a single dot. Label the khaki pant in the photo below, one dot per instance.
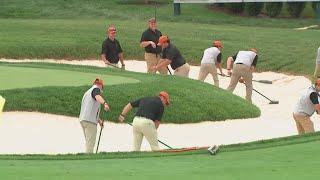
(206, 69)
(90, 134)
(241, 70)
(182, 70)
(152, 60)
(303, 123)
(144, 127)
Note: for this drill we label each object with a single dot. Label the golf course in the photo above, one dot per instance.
(69, 30)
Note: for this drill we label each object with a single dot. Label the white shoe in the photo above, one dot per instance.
(213, 149)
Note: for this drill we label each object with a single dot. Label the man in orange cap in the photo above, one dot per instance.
(147, 118)
(111, 52)
(244, 64)
(306, 106)
(211, 59)
(149, 40)
(171, 55)
(89, 113)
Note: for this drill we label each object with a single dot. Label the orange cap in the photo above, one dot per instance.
(166, 96)
(112, 29)
(98, 81)
(162, 40)
(254, 50)
(318, 81)
(217, 44)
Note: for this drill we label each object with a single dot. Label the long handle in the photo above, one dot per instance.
(99, 140)
(158, 139)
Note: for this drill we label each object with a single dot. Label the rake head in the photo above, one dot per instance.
(213, 149)
(274, 102)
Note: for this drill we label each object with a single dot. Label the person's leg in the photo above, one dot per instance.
(90, 131)
(235, 76)
(203, 73)
(247, 77)
(150, 132)
(182, 70)
(306, 124)
(298, 125)
(151, 60)
(213, 72)
(137, 134)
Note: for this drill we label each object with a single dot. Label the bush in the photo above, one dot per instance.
(235, 7)
(295, 8)
(314, 6)
(254, 8)
(274, 8)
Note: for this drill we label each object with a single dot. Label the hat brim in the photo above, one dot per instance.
(159, 44)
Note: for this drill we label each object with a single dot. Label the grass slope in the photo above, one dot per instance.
(289, 161)
(186, 106)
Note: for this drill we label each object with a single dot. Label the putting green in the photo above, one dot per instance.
(25, 77)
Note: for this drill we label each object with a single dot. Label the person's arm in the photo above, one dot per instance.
(147, 43)
(229, 63)
(104, 59)
(100, 99)
(121, 59)
(314, 99)
(157, 123)
(316, 69)
(254, 64)
(124, 112)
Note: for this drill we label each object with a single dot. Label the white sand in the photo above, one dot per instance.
(39, 133)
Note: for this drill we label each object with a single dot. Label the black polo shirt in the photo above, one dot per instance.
(149, 35)
(149, 107)
(173, 54)
(111, 49)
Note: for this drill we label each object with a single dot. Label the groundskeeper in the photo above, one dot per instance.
(244, 64)
(149, 41)
(315, 74)
(111, 52)
(306, 106)
(171, 55)
(147, 118)
(89, 113)
(211, 59)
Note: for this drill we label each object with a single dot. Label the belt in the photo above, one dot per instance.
(239, 63)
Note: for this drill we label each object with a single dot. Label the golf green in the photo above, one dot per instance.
(25, 77)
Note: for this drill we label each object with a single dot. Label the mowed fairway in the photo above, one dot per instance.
(298, 161)
(26, 77)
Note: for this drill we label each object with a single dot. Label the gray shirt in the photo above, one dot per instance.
(318, 57)
(90, 107)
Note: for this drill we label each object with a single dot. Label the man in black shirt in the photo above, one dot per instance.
(149, 40)
(111, 51)
(171, 55)
(147, 119)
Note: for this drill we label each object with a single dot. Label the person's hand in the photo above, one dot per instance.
(123, 67)
(316, 75)
(121, 118)
(153, 68)
(222, 74)
(106, 62)
(241, 80)
(229, 72)
(153, 44)
(106, 107)
(101, 123)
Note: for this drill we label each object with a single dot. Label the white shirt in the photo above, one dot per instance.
(318, 56)
(245, 57)
(210, 55)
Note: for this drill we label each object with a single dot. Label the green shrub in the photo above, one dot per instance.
(254, 8)
(235, 7)
(274, 8)
(295, 8)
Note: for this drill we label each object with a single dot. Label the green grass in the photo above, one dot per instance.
(62, 96)
(35, 77)
(289, 161)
